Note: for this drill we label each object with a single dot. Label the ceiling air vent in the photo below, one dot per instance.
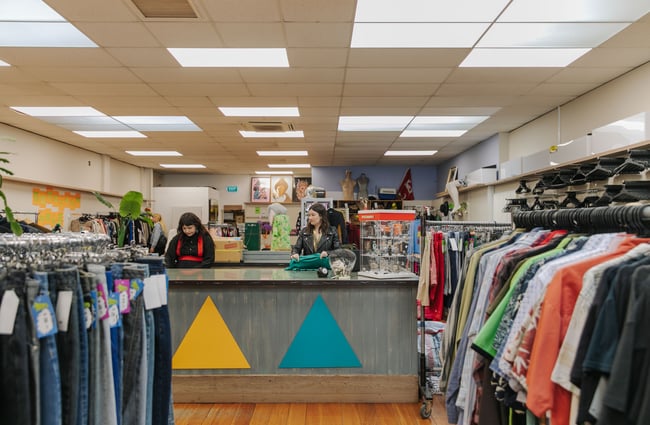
(268, 126)
(165, 8)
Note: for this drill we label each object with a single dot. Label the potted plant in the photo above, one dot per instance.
(9, 215)
(130, 210)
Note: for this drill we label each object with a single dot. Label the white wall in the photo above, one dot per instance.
(623, 97)
(39, 160)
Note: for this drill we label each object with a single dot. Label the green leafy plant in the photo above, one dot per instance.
(9, 215)
(130, 210)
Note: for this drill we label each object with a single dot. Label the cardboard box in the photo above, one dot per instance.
(228, 255)
(221, 243)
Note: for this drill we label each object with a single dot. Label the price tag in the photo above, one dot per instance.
(151, 294)
(8, 311)
(63, 306)
(44, 317)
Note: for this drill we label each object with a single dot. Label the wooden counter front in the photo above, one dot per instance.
(266, 318)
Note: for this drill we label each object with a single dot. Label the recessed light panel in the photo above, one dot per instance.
(575, 11)
(154, 153)
(549, 34)
(111, 134)
(410, 153)
(289, 165)
(28, 10)
(432, 133)
(260, 111)
(233, 58)
(3, 63)
(42, 34)
(500, 58)
(373, 123)
(182, 165)
(273, 172)
(159, 123)
(428, 11)
(282, 153)
(59, 111)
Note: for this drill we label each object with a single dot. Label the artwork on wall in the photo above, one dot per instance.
(452, 174)
(261, 189)
(300, 187)
(281, 188)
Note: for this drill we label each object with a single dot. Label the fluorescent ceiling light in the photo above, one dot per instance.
(282, 153)
(28, 10)
(42, 34)
(273, 172)
(182, 165)
(443, 123)
(111, 134)
(58, 111)
(289, 165)
(226, 57)
(500, 58)
(159, 123)
(272, 134)
(291, 111)
(410, 153)
(574, 11)
(3, 63)
(373, 123)
(154, 153)
(416, 35)
(428, 11)
(549, 34)
(432, 133)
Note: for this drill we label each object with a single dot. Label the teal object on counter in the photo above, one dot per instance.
(309, 262)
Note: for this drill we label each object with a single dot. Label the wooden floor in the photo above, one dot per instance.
(309, 414)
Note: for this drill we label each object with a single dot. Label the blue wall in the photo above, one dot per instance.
(425, 178)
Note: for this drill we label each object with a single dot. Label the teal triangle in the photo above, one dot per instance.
(319, 342)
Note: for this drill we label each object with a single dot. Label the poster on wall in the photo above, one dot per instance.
(281, 188)
(261, 189)
(300, 188)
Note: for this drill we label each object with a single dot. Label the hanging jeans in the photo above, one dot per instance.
(133, 398)
(16, 398)
(72, 344)
(92, 326)
(49, 367)
(107, 408)
(161, 403)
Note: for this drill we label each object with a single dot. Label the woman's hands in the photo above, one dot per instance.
(295, 257)
(324, 254)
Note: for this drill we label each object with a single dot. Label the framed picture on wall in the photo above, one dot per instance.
(452, 174)
(300, 185)
(281, 188)
(261, 190)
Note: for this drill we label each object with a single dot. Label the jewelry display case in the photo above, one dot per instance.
(386, 237)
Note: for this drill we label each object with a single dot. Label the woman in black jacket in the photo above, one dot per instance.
(317, 236)
(192, 247)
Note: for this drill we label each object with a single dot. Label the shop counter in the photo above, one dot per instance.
(268, 335)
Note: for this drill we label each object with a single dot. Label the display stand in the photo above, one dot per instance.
(385, 242)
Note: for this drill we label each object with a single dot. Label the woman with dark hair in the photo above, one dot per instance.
(192, 247)
(317, 236)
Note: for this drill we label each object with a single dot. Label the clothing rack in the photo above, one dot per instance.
(619, 218)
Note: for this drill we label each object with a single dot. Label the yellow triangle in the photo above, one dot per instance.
(208, 344)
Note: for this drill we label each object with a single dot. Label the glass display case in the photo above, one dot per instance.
(385, 243)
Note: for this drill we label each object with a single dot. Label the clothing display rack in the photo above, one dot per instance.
(618, 218)
(81, 341)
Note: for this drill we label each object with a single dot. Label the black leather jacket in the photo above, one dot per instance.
(305, 243)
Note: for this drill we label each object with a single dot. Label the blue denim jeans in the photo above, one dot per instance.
(133, 325)
(16, 397)
(49, 366)
(89, 287)
(73, 349)
(31, 291)
(117, 340)
(107, 408)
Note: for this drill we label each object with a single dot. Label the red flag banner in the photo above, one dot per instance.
(405, 191)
